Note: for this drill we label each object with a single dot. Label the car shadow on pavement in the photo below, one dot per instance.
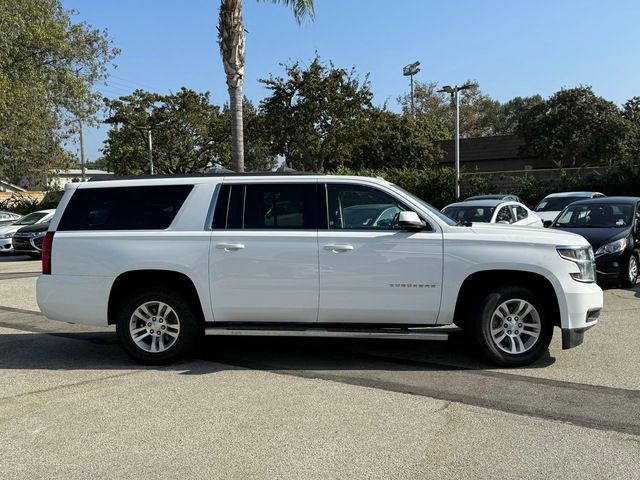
(100, 351)
(8, 257)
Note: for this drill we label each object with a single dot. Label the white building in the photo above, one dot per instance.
(60, 178)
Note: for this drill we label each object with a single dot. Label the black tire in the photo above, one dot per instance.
(179, 344)
(627, 278)
(536, 320)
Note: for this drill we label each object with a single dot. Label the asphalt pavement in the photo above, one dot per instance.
(72, 404)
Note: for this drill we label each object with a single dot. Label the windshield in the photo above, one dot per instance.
(31, 218)
(430, 208)
(469, 214)
(596, 216)
(556, 204)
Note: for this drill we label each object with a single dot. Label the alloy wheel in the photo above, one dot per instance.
(515, 326)
(154, 327)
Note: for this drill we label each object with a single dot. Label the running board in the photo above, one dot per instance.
(415, 334)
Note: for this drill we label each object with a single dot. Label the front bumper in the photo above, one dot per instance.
(572, 337)
(5, 245)
(27, 244)
(610, 267)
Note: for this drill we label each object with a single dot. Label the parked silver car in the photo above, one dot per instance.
(8, 217)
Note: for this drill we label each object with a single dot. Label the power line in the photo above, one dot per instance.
(135, 83)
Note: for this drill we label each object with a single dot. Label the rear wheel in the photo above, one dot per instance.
(629, 276)
(512, 327)
(157, 326)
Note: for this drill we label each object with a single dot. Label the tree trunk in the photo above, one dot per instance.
(237, 132)
(231, 41)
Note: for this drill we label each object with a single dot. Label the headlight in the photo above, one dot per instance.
(613, 247)
(583, 258)
(7, 235)
(38, 234)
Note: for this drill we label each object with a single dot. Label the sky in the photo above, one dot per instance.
(511, 48)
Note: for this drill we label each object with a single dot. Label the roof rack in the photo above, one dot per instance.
(201, 175)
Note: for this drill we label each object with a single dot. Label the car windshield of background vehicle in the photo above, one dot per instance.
(469, 214)
(427, 206)
(31, 219)
(596, 216)
(556, 204)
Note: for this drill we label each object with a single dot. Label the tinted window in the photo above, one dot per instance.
(555, 204)
(124, 208)
(222, 204)
(469, 214)
(353, 207)
(32, 218)
(596, 216)
(280, 206)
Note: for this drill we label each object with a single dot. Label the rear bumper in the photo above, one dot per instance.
(74, 298)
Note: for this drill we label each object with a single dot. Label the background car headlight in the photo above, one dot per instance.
(613, 247)
(584, 259)
(6, 235)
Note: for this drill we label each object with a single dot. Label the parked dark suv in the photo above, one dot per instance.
(612, 226)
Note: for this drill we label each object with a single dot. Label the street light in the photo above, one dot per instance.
(453, 91)
(410, 71)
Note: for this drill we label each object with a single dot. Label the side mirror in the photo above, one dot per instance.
(410, 221)
(547, 223)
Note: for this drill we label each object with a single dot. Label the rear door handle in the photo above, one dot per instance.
(338, 248)
(230, 247)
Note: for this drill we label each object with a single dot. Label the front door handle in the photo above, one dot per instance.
(230, 247)
(338, 248)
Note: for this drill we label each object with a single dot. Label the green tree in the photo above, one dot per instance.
(258, 155)
(315, 114)
(48, 66)
(511, 113)
(575, 126)
(479, 114)
(231, 41)
(393, 140)
(631, 113)
(188, 133)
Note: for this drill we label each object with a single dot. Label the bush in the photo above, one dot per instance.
(435, 185)
(21, 204)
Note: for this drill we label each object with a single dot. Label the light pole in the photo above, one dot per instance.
(150, 152)
(410, 71)
(453, 91)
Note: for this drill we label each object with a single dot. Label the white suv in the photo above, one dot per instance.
(169, 259)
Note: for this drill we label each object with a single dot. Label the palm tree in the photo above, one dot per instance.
(231, 40)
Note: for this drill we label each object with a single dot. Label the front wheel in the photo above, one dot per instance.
(629, 276)
(512, 327)
(157, 326)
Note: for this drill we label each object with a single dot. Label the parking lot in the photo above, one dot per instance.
(72, 405)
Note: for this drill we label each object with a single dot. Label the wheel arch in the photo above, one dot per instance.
(136, 280)
(478, 284)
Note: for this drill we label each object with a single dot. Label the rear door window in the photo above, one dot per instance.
(280, 206)
(124, 208)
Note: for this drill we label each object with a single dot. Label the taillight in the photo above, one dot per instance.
(46, 253)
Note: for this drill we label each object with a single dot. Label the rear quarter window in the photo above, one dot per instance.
(124, 208)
